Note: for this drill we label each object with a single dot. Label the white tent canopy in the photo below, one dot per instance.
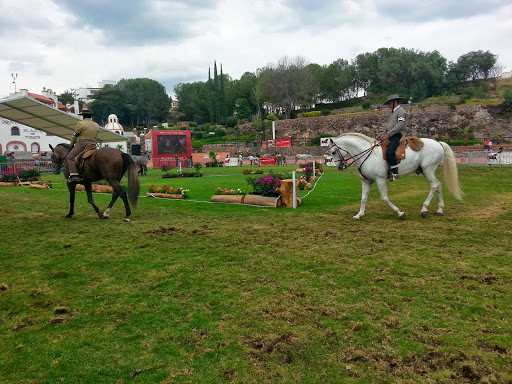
(30, 112)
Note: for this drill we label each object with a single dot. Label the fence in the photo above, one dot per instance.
(171, 162)
(489, 158)
(21, 165)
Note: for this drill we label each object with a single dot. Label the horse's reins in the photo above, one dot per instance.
(355, 157)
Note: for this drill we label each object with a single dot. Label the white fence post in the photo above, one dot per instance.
(294, 191)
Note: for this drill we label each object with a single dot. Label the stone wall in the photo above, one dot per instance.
(432, 122)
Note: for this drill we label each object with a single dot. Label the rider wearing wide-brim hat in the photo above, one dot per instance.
(397, 123)
(85, 134)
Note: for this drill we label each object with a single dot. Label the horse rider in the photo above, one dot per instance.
(397, 123)
(85, 134)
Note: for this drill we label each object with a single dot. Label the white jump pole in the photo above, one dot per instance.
(273, 130)
(314, 173)
(180, 166)
(294, 191)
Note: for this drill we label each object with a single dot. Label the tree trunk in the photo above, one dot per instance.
(286, 192)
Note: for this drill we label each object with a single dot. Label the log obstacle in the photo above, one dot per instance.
(38, 186)
(232, 199)
(264, 201)
(176, 196)
(286, 190)
(95, 188)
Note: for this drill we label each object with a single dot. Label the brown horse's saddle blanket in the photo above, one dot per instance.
(85, 154)
(412, 142)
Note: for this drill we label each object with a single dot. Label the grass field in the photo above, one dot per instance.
(195, 292)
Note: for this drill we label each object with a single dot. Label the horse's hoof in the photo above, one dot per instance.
(103, 217)
(127, 220)
(424, 214)
(402, 216)
(355, 218)
(439, 213)
(69, 216)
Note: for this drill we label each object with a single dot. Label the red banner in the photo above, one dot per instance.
(268, 161)
(283, 143)
(280, 143)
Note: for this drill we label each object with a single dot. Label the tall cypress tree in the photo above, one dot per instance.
(222, 96)
(216, 100)
(210, 93)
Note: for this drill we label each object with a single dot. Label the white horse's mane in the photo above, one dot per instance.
(360, 135)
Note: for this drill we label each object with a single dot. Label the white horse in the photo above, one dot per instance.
(142, 161)
(303, 156)
(366, 155)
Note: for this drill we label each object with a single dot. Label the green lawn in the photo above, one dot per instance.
(197, 292)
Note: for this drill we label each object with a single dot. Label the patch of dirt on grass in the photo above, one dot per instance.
(455, 368)
(268, 344)
(495, 207)
(162, 231)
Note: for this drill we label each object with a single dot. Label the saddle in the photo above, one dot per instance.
(412, 142)
(84, 155)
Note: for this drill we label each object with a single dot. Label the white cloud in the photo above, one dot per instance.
(66, 44)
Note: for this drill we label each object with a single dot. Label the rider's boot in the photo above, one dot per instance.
(394, 173)
(74, 178)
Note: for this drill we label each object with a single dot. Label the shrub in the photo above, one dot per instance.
(165, 168)
(265, 186)
(310, 114)
(197, 144)
(326, 112)
(30, 175)
(198, 166)
(366, 105)
(507, 95)
(192, 124)
(271, 117)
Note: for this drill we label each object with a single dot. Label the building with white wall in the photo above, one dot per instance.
(86, 94)
(26, 142)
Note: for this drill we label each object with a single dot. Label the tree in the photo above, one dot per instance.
(194, 101)
(288, 84)
(476, 65)
(338, 80)
(146, 100)
(107, 101)
(66, 97)
(366, 70)
(242, 110)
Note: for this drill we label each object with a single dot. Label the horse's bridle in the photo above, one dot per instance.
(344, 162)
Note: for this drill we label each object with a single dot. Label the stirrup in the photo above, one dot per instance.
(74, 179)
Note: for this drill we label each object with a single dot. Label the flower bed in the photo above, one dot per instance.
(225, 191)
(265, 185)
(251, 172)
(173, 175)
(167, 192)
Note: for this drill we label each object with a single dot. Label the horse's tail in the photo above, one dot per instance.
(451, 175)
(133, 179)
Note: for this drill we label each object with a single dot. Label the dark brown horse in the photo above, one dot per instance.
(105, 164)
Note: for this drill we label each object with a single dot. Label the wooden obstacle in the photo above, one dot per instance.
(286, 192)
(177, 196)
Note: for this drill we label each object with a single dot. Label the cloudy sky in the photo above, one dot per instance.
(66, 44)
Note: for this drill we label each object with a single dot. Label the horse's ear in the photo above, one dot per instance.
(51, 147)
(331, 141)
